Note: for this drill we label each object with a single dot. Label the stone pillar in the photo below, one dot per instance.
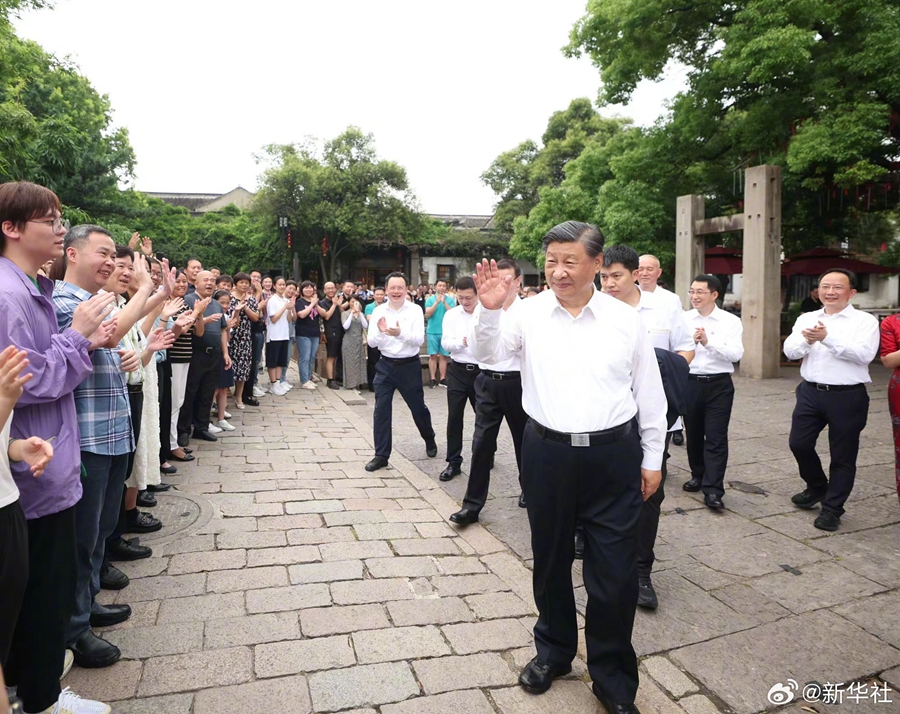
(690, 248)
(761, 282)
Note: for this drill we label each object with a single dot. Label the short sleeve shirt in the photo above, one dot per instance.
(436, 321)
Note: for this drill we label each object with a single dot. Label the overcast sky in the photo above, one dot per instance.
(444, 87)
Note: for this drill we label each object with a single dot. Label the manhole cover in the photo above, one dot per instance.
(180, 513)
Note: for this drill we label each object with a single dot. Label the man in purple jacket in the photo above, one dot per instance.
(31, 233)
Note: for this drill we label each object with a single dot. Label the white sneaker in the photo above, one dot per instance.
(67, 663)
(277, 389)
(213, 429)
(257, 392)
(71, 703)
(286, 386)
(224, 425)
(307, 385)
(214, 412)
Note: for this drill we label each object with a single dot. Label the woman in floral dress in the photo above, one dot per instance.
(241, 346)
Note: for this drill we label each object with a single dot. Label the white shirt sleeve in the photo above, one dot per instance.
(452, 335)
(796, 346)
(861, 348)
(729, 343)
(496, 334)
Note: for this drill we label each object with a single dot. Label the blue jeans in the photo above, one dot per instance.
(284, 370)
(307, 347)
(96, 515)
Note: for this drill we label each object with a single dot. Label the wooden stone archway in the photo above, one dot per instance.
(761, 282)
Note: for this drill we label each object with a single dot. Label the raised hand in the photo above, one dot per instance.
(102, 335)
(212, 318)
(141, 272)
(493, 288)
(201, 305)
(89, 314)
(134, 240)
(12, 362)
(171, 308)
(168, 277)
(382, 324)
(394, 331)
(146, 246)
(160, 339)
(185, 320)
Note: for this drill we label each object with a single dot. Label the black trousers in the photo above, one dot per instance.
(13, 572)
(649, 522)
(845, 414)
(136, 402)
(373, 354)
(164, 374)
(36, 658)
(494, 400)
(202, 382)
(600, 486)
(407, 379)
(460, 389)
(258, 340)
(706, 419)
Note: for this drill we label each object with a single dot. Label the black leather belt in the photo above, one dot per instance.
(212, 350)
(402, 360)
(501, 375)
(469, 367)
(834, 387)
(592, 438)
(709, 377)
(136, 388)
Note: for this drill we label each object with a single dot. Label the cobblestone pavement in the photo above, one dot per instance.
(291, 580)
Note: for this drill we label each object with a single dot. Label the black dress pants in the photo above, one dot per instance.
(706, 419)
(495, 398)
(258, 340)
(600, 487)
(845, 413)
(13, 572)
(39, 645)
(405, 377)
(202, 382)
(460, 389)
(164, 374)
(649, 522)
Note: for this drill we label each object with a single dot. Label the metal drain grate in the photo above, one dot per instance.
(177, 513)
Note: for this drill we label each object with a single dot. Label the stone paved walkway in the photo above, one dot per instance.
(291, 580)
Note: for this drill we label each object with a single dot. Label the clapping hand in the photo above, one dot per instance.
(700, 336)
(103, 334)
(815, 334)
(493, 288)
(142, 276)
(130, 360)
(12, 362)
(201, 305)
(168, 277)
(171, 308)
(160, 339)
(212, 318)
(89, 314)
(382, 325)
(393, 331)
(36, 452)
(185, 320)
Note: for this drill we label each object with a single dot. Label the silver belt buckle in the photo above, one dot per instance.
(581, 439)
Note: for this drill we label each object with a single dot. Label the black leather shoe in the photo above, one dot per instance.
(187, 456)
(431, 449)
(251, 401)
(807, 499)
(693, 485)
(183, 440)
(92, 652)
(646, 594)
(449, 472)
(109, 615)
(678, 438)
(334, 384)
(187, 450)
(464, 517)
(537, 676)
(579, 544)
(713, 501)
(126, 550)
(827, 521)
(111, 578)
(142, 523)
(167, 470)
(205, 435)
(160, 487)
(377, 463)
(613, 707)
(145, 499)
(522, 503)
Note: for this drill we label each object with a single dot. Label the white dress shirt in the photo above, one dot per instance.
(724, 341)
(844, 355)
(411, 320)
(503, 359)
(669, 296)
(664, 321)
(581, 374)
(456, 328)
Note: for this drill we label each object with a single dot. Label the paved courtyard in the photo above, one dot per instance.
(288, 579)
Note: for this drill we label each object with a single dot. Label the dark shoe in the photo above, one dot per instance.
(251, 401)
(92, 652)
(142, 523)
(187, 456)
(433, 383)
(126, 550)
(431, 448)
(713, 501)
(612, 707)
(168, 470)
(160, 487)
(334, 384)
(377, 463)
(807, 499)
(187, 450)
(678, 438)
(146, 500)
(579, 544)
(646, 594)
(109, 615)
(537, 676)
(205, 435)
(522, 503)
(443, 382)
(111, 578)
(827, 521)
(464, 517)
(693, 485)
(451, 471)
(183, 440)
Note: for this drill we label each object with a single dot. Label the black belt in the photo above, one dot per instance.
(593, 438)
(136, 388)
(465, 365)
(709, 377)
(402, 360)
(501, 375)
(212, 350)
(834, 387)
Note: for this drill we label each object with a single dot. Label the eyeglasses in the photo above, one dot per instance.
(699, 292)
(57, 225)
